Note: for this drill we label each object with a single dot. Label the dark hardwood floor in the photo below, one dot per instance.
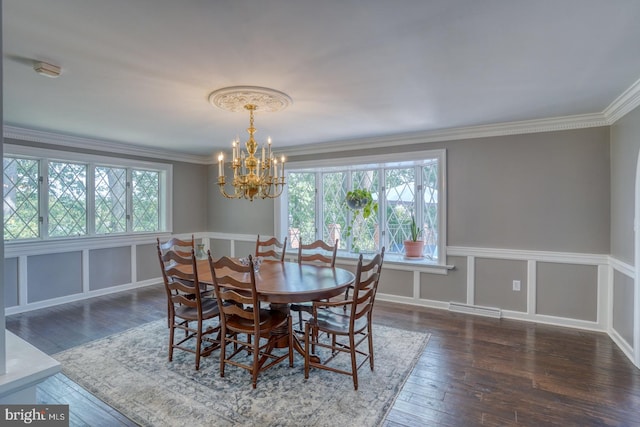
(474, 371)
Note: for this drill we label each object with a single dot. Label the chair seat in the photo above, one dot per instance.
(209, 310)
(269, 319)
(335, 322)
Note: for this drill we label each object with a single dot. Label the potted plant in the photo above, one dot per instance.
(413, 248)
(360, 200)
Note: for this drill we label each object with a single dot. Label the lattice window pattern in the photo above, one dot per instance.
(333, 208)
(110, 200)
(400, 197)
(302, 208)
(21, 198)
(146, 200)
(67, 199)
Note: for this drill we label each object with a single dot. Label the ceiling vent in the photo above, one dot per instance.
(46, 69)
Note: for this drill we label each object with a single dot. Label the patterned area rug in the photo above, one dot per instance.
(130, 372)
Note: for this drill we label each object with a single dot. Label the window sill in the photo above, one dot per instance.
(399, 262)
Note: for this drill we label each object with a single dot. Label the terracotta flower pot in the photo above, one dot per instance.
(413, 249)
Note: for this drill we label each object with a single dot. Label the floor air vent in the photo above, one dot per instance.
(475, 309)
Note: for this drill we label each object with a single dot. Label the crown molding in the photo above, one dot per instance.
(623, 104)
(482, 131)
(31, 135)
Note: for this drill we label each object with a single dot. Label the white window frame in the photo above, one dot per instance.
(375, 161)
(45, 155)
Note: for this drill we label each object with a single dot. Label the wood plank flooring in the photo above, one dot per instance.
(474, 371)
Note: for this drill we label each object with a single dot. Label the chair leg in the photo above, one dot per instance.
(370, 337)
(223, 349)
(198, 344)
(307, 337)
(255, 369)
(354, 368)
(171, 334)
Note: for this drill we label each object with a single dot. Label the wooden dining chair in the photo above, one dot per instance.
(318, 253)
(179, 246)
(182, 248)
(241, 315)
(271, 248)
(346, 329)
(187, 306)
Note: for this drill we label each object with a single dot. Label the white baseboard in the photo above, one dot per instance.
(621, 343)
(78, 297)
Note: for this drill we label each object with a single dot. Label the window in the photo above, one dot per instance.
(21, 198)
(110, 200)
(82, 195)
(146, 200)
(404, 186)
(67, 199)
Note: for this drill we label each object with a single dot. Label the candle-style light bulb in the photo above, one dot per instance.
(220, 163)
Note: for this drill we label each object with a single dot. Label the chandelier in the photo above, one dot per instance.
(255, 174)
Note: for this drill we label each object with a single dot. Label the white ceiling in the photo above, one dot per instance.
(140, 71)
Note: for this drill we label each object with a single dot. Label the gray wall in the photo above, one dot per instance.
(54, 275)
(623, 306)
(190, 195)
(567, 290)
(494, 283)
(237, 216)
(544, 191)
(11, 282)
(625, 143)
(449, 287)
(109, 267)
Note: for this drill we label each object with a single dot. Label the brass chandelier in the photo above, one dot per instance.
(255, 175)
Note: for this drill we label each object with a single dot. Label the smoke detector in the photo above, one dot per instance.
(46, 69)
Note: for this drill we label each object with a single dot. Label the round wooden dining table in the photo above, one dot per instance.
(289, 282)
(284, 283)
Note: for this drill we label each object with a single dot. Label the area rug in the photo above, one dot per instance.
(130, 372)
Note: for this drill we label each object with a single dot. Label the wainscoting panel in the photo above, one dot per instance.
(109, 267)
(147, 264)
(623, 306)
(11, 282)
(494, 283)
(395, 282)
(54, 275)
(449, 287)
(567, 290)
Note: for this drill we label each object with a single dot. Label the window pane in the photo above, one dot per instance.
(366, 232)
(400, 195)
(67, 199)
(111, 200)
(21, 195)
(334, 211)
(146, 200)
(430, 209)
(302, 208)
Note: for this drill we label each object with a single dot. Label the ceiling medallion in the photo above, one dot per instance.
(235, 98)
(254, 175)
